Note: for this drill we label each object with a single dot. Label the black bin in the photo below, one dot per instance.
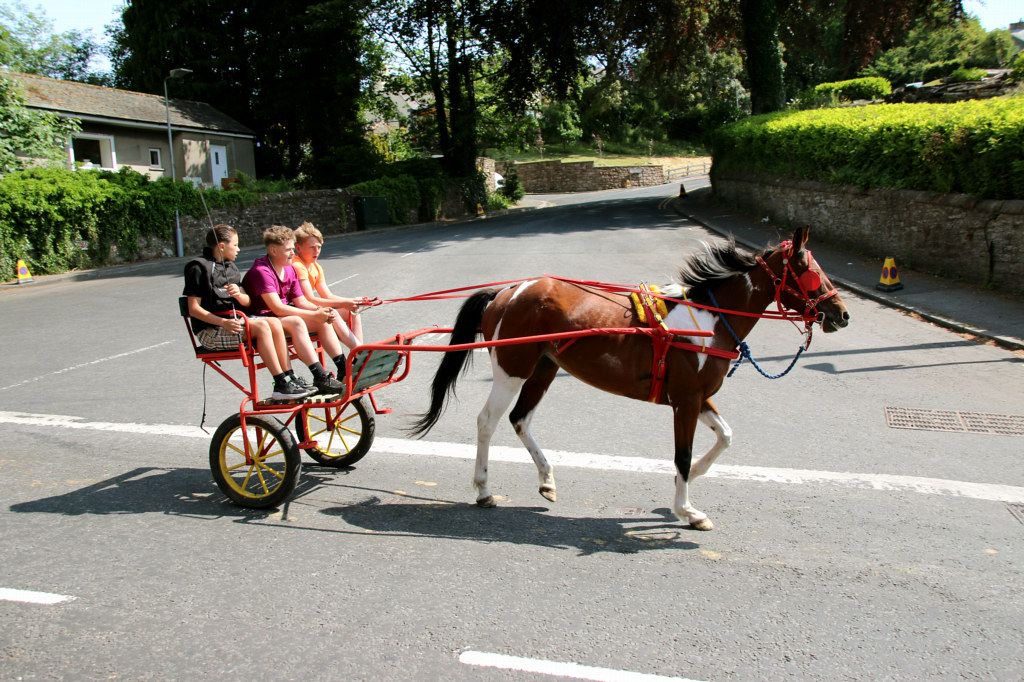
(371, 212)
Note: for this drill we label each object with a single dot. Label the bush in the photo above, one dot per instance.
(45, 213)
(871, 87)
(401, 191)
(972, 147)
(965, 75)
(496, 201)
(937, 70)
(1017, 68)
(513, 189)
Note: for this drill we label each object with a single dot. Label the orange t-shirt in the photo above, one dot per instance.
(314, 273)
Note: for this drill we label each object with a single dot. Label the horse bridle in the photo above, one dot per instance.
(806, 283)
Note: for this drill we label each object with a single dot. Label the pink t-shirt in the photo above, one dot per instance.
(262, 279)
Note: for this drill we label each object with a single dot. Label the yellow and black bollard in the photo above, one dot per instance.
(890, 279)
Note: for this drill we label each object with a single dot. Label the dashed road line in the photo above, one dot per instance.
(331, 284)
(30, 597)
(995, 492)
(560, 669)
(84, 364)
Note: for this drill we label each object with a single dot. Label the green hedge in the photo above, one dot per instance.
(975, 147)
(401, 191)
(871, 87)
(46, 212)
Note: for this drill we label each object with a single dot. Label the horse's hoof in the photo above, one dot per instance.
(487, 502)
(703, 524)
(548, 493)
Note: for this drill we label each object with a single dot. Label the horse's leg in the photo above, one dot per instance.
(522, 414)
(685, 423)
(710, 417)
(503, 390)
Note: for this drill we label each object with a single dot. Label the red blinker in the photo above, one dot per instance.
(810, 281)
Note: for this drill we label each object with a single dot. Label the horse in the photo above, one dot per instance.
(731, 289)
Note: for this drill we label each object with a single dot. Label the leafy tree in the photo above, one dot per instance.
(26, 136)
(930, 51)
(291, 70)
(28, 44)
(439, 43)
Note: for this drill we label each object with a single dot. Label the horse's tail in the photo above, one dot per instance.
(467, 326)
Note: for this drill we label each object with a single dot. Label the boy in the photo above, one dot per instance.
(308, 243)
(275, 291)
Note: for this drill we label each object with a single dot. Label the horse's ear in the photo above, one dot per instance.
(800, 238)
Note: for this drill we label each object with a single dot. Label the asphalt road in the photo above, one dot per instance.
(843, 548)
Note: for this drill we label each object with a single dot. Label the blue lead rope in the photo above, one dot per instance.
(745, 350)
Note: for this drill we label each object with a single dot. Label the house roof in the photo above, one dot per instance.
(121, 106)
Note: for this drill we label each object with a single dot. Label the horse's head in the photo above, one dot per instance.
(802, 286)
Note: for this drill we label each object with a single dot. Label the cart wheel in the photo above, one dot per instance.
(346, 443)
(274, 463)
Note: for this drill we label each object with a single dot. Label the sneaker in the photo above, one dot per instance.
(328, 384)
(301, 383)
(286, 390)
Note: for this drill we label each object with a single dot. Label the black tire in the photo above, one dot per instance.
(245, 484)
(346, 443)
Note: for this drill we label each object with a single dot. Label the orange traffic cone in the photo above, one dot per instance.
(890, 279)
(24, 276)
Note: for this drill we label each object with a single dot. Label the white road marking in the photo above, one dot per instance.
(995, 492)
(29, 597)
(84, 364)
(343, 279)
(558, 669)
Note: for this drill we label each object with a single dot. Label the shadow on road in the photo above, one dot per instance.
(191, 493)
(431, 518)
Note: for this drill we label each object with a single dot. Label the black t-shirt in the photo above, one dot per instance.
(206, 279)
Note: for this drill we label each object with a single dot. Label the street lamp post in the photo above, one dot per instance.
(179, 243)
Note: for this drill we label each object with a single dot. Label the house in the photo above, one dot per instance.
(1017, 33)
(123, 128)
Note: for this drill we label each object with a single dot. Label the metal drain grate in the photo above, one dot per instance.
(946, 420)
(1017, 511)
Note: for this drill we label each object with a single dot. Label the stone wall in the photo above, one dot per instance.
(981, 241)
(330, 210)
(582, 176)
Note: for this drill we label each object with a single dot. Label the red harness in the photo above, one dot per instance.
(662, 338)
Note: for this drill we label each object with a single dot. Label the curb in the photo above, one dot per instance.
(1006, 342)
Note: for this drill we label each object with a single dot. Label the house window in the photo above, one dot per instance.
(92, 151)
(154, 158)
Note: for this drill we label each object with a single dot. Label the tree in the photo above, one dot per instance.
(439, 42)
(929, 51)
(291, 70)
(28, 137)
(28, 44)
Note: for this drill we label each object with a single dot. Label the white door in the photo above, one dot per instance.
(218, 163)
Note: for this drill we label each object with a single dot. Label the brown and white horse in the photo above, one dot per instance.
(622, 364)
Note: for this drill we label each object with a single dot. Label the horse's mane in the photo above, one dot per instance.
(717, 262)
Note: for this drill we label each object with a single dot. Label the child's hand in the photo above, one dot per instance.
(347, 304)
(233, 325)
(233, 290)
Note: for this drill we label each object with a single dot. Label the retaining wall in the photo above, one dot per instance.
(981, 241)
(329, 209)
(582, 176)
